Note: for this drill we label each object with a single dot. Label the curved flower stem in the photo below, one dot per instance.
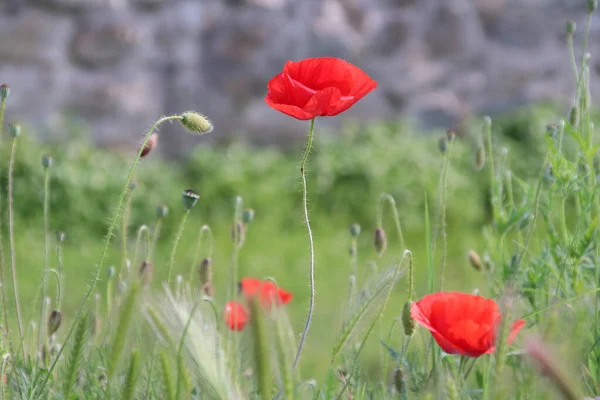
(386, 197)
(205, 229)
(109, 235)
(175, 243)
(311, 244)
(46, 249)
(11, 235)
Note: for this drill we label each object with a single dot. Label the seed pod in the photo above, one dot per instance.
(475, 260)
(146, 272)
(574, 116)
(162, 210)
(206, 271)
(380, 241)
(571, 27)
(150, 144)
(14, 129)
(196, 123)
(54, 321)
(592, 5)
(4, 91)
(399, 380)
(238, 234)
(355, 230)
(46, 161)
(190, 198)
(407, 322)
(248, 215)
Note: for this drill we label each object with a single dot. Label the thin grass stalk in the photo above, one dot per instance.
(131, 377)
(180, 371)
(109, 235)
(388, 198)
(125, 317)
(124, 227)
(572, 59)
(155, 236)
(61, 275)
(46, 248)
(2, 280)
(174, 246)
(167, 378)
(75, 356)
(150, 372)
(11, 235)
(311, 245)
(204, 229)
(443, 188)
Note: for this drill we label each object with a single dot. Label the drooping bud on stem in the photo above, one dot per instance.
(190, 198)
(475, 260)
(54, 321)
(196, 123)
(380, 241)
(150, 144)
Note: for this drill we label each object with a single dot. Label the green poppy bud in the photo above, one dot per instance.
(592, 5)
(14, 129)
(196, 123)
(571, 27)
(4, 91)
(46, 161)
(574, 116)
(162, 210)
(248, 215)
(354, 230)
(443, 144)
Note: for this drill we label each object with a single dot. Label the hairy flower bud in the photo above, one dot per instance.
(399, 380)
(46, 161)
(407, 322)
(355, 230)
(380, 241)
(14, 129)
(206, 271)
(196, 123)
(150, 144)
(54, 321)
(248, 215)
(146, 270)
(475, 260)
(190, 198)
(571, 27)
(4, 91)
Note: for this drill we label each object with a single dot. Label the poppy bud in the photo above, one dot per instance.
(190, 198)
(479, 158)
(592, 5)
(46, 161)
(574, 116)
(206, 271)
(407, 322)
(551, 130)
(60, 236)
(248, 215)
(570, 27)
(443, 144)
(380, 241)
(132, 185)
(196, 123)
(54, 322)
(354, 230)
(4, 91)
(450, 134)
(14, 129)
(475, 260)
(162, 210)
(150, 144)
(399, 380)
(146, 270)
(238, 234)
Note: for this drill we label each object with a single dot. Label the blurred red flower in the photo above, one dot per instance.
(317, 87)
(235, 315)
(462, 323)
(267, 292)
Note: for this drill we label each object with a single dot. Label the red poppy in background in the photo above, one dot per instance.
(317, 87)
(267, 291)
(462, 323)
(235, 316)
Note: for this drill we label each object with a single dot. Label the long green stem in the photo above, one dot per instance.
(143, 230)
(572, 56)
(11, 235)
(386, 197)
(109, 235)
(443, 211)
(2, 280)
(61, 274)
(46, 250)
(175, 243)
(311, 244)
(155, 236)
(124, 226)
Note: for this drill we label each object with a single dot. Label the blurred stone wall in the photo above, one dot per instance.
(120, 64)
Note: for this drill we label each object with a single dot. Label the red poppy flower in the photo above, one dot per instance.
(317, 87)
(267, 291)
(462, 323)
(235, 316)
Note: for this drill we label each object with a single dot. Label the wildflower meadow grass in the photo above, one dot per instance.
(377, 264)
